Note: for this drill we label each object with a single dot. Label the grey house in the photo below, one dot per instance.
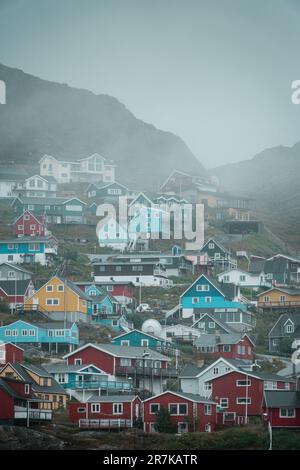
(12, 272)
(285, 331)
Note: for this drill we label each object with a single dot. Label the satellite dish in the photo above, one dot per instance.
(152, 327)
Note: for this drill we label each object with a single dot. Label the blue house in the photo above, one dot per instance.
(54, 335)
(81, 381)
(141, 339)
(28, 250)
(205, 295)
(106, 310)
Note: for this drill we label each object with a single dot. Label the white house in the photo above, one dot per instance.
(36, 186)
(112, 235)
(196, 380)
(241, 278)
(88, 169)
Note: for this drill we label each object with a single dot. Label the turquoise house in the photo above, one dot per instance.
(82, 380)
(27, 250)
(141, 339)
(55, 335)
(205, 295)
(106, 310)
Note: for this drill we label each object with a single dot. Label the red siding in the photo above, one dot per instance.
(167, 398)
(7, 406)
(12, 353)
(106, 411)
(12, 298)
(234, 353)
(226, 387)
(277, 421)
(37, 222)
(91, 355)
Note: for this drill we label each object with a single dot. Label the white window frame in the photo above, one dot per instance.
(246, 400)
(118, 408)
(287, 408)
(177, 409)
(95, 408)
(154, 412)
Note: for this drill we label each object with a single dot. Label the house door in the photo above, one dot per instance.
(80, 380)
(183, 427)
(35, 302)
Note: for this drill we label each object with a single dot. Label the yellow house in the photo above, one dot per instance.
(279, 298)
(61, 299)
(43, 385)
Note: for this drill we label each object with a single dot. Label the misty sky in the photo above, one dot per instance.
(216, 72)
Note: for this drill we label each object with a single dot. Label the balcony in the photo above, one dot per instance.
(285, 304)
(146, 371)
(98, 384)
(34, 414)
(105, 423)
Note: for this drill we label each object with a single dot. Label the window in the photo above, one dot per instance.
(95, 408)
(289, 328)
(211, 324)
(287, 413)
(243, 401)
(34, 246)
(215, 370)
(207, 386)
(49, 288)
(118, 408)
(207, 299)
(11, 274)
(31, 332)
(154, 408)
(195, 300)
(224, 402)
(145, 343)
(202, 287)
(52, 301)
(31, 208)
(81, 410)
(73, 208)
(26, 217)
(32, 227)
(60, 288)
(207, 409)
(178, 409)
(24, 333)
(125, 342)
(269, 275)
(243, 383)
(27, 389)
(78, 362)
(226, 348)
(20, 227)
(211, 246)
(124, 362)
(266, 298)
(242, 278)
(282, 298)
(226, 278)
(217, 255)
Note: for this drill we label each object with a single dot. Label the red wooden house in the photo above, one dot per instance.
(227, 345)
(239, 394)
(18, 404)
(10, 353)
(282, 409)
(30, 225)
(147, 369)
(111, 411)
(188, 412)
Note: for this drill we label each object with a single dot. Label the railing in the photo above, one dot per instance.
(104, 423)
(285, 303)
(94, 385)
(146, 371)
(36, 415)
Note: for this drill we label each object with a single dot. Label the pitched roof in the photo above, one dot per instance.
(23, 371)
(13, 287)
(191, 370)
(13, 266)
(213, 340)
(64, 367)
(188, 396)
(134, 352)
(256, 265)
(278, 399)
(111, 398)
(218, 321)
(278, 328)
(4, 385)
